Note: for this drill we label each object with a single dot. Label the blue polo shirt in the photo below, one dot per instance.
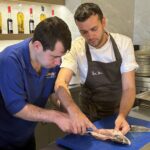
(19, 85)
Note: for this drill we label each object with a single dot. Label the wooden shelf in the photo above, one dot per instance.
(14, 36)
(24, 36)
(57, 2)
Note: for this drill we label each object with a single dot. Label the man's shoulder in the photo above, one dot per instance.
(79, 40)
(11, 53)
(78, 44)
(123, 42)
(120, 37)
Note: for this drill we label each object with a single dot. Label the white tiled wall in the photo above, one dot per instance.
(142, 23)
(5, 43)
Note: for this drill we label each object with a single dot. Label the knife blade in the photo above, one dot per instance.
(137, 128)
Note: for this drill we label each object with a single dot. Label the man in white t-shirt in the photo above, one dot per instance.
(106, 65)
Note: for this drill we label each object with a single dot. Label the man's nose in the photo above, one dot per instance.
(58, 61)
(90, 35)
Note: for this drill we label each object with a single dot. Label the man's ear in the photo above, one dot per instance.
(37, 46)
(104, 22)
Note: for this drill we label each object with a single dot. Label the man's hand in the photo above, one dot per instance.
(63, 121)
(127, 101)
(121, 124)
(79, 121)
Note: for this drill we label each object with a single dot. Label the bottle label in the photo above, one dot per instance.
(31, 26)
(10, 25)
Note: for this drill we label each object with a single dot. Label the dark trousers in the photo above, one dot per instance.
(29, 145)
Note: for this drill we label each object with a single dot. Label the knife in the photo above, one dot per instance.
(137, 128)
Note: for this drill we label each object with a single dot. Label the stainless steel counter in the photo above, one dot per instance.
(141, 113)
(143, 110)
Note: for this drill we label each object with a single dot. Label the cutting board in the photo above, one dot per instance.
(87, 142)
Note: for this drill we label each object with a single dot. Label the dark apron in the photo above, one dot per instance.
(101, 94)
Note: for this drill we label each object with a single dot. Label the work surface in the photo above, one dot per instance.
(87, 142)
(77, 142)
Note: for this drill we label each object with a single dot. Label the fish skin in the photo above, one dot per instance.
(110, 134)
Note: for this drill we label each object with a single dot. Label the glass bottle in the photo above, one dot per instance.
(31, 21)
(0, 22)
(42, 15)
(20, 20)
(9, 21)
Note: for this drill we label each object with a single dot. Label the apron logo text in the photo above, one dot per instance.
(96, 73)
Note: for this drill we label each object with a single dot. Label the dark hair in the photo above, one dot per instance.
(51, 30)
(84, 11)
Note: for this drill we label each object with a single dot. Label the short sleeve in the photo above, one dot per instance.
(69, 60)
(128, 60)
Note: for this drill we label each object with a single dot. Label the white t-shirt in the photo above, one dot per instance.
(76, 59)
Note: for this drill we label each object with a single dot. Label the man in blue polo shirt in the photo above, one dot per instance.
(27, 75)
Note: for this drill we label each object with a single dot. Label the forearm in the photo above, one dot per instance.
(127, 101)
(54, 100)
(37, 114)
(78, 120)
(62, 90)
(66, 98)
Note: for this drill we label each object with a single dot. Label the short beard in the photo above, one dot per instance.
(101, 41)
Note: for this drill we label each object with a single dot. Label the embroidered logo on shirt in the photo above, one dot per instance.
(96, 73)
(50, 75)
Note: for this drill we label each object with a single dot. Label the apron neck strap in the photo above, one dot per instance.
(115, 47)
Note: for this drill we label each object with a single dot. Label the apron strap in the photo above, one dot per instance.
(115, 47)
(116, 50)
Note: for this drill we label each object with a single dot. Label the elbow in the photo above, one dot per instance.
(58, 85)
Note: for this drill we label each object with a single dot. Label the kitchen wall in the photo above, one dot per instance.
(142, 23)
(130, 17)
(59, 10)
(119, 15)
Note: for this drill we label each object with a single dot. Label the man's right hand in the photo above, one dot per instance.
(80, 122)
(75, 122)
(63, 121)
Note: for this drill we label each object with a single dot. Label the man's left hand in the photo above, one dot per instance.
(121, 124)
